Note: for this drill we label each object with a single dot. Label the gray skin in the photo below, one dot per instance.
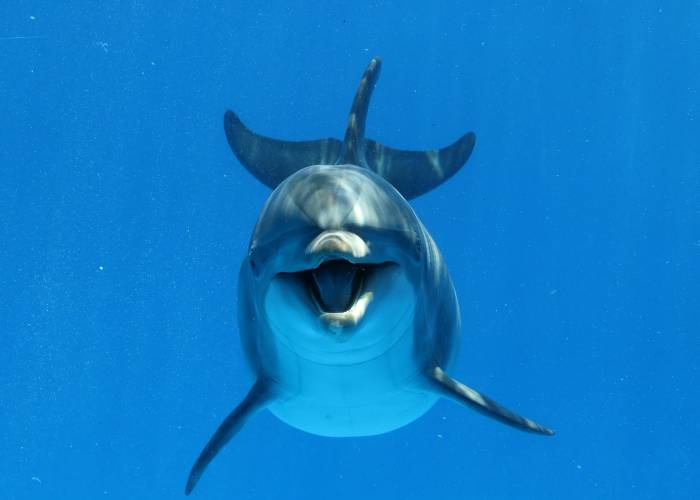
(347, 314)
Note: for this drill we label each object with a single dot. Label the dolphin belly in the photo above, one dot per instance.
(389, 412)
(363, 399)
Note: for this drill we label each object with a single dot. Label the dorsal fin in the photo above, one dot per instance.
(412, 173)
(353, 145)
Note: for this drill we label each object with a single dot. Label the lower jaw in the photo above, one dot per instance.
(338, 321)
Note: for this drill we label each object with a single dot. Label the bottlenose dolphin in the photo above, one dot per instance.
(347, 313)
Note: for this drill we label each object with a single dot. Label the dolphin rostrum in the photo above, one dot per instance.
(347, 314)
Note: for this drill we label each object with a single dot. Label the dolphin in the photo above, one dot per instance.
(347, 313)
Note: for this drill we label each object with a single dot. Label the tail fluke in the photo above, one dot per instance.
(412, 173)
(272, 160)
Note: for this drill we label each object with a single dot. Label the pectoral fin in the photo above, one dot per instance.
(257, 398)
(456, 391)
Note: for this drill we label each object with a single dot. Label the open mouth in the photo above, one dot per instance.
(335, 285)
(355, 310)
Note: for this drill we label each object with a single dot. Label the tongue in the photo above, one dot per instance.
(334, 280)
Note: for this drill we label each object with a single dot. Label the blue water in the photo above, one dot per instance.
(572, 236)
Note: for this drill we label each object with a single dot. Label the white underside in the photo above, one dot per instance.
(392, 411)
(373, 397)
(357, 382)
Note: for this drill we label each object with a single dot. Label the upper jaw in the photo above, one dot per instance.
(336, 242)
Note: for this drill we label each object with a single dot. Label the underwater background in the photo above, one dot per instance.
(572, 236)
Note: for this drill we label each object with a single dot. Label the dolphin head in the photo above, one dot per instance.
(334, 262)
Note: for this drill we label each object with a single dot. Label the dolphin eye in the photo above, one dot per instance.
(254, 264)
